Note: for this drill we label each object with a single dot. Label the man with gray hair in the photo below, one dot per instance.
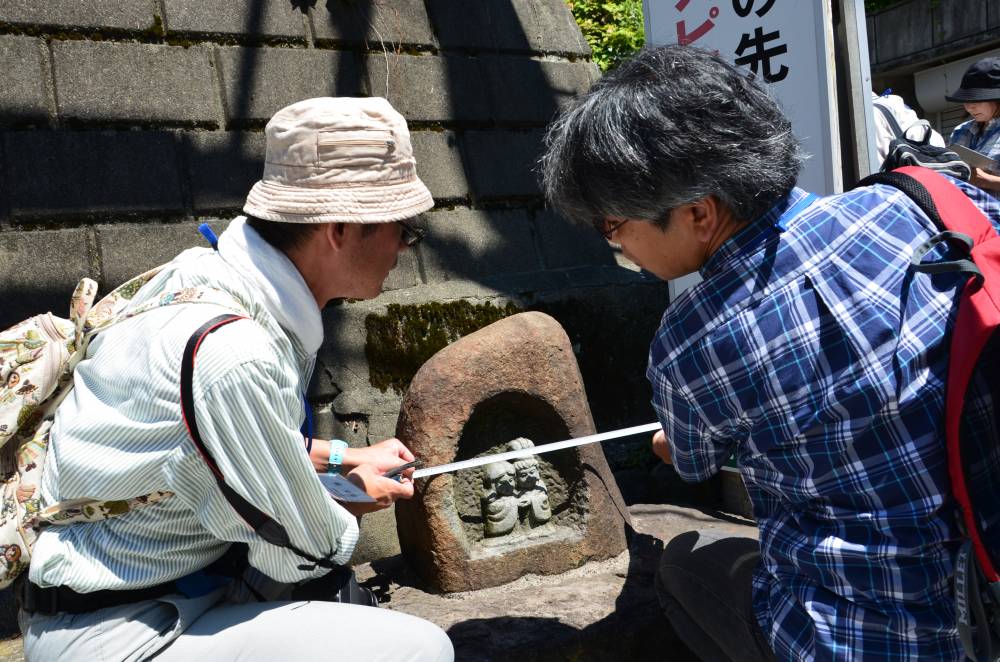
(810, 350)
(327, 221)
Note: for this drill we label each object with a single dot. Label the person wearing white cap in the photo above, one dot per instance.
(327, 221)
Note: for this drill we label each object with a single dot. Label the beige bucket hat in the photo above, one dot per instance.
(338, 160)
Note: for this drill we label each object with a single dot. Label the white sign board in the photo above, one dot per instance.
(788, 44)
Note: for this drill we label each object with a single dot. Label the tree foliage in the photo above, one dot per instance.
(614, 30)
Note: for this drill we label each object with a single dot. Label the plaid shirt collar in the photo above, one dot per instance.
(742, 244)
(975, 128)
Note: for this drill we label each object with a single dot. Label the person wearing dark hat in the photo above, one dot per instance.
(979, 93)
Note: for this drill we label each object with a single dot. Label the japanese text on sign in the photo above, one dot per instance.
(753, 49)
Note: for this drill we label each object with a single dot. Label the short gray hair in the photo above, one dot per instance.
(669, 127)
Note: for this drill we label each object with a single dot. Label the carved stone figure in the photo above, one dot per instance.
(514, 495)
(500, 505)
(532, 495)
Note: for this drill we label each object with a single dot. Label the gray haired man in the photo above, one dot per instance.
(810, 350)
(327, 221)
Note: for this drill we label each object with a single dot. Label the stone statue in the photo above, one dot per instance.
(514, 495)
(500, 505)
(532, 496)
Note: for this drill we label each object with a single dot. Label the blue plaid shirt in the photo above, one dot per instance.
(818, 357)
(983, 139)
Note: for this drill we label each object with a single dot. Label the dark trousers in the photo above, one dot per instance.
(704, 586)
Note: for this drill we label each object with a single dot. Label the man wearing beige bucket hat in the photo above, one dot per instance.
(327, 221)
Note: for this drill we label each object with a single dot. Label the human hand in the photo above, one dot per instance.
(661, 448)
(984, 179)
(384, 455)
(385, 491)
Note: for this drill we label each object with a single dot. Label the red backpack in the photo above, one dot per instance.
(972, 391)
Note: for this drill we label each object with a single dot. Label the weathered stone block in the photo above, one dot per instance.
(502, 163)
(549, 26)
(38, 271)
(128, 250)
(912, 27)
(222, 166)
(377, 539)
(4, 199)
(87, 14)
(22, 76)
(405, 274)
(258, 82)
(958, 20)
(439, 163)
(472, 244)
(526, 90)
(485, 25)
(507, 25)
(430, 88)
(258, 19)
(105, 81)
(566, 244)
(89, 172)
(516, 378)
(374, 23)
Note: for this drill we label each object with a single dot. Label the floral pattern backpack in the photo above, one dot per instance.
(37, 359)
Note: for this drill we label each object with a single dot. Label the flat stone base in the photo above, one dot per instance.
(602, 611)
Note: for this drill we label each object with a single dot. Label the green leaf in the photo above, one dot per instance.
(614, 30)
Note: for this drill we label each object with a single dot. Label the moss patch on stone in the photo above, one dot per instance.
(405, 337)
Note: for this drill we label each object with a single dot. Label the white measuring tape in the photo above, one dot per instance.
(533, 450)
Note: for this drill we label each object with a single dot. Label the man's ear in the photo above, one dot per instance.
(335, 234)
(704, 217)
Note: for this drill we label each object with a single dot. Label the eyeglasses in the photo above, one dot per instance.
(608, 229)
(411, 235)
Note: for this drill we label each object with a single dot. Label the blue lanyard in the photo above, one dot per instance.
(782, 223)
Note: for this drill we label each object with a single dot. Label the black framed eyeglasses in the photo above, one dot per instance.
(411, 235)
(608, 229)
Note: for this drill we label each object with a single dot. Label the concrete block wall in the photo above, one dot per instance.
(917, 32)
(125, 123)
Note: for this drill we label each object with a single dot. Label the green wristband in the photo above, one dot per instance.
(337, 447)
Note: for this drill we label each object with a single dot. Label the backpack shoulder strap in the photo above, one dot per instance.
(262, 524)
(976, 323)
(955, 211)
(890, 118)
(977, 319)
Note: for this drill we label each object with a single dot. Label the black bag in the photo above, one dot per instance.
(338, 585)
(906, 152)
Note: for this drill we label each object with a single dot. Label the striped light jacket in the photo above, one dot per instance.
(120, 434)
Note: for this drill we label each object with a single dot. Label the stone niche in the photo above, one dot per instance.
(511, 384)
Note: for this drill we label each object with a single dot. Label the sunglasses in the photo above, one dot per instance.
(411, 235)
